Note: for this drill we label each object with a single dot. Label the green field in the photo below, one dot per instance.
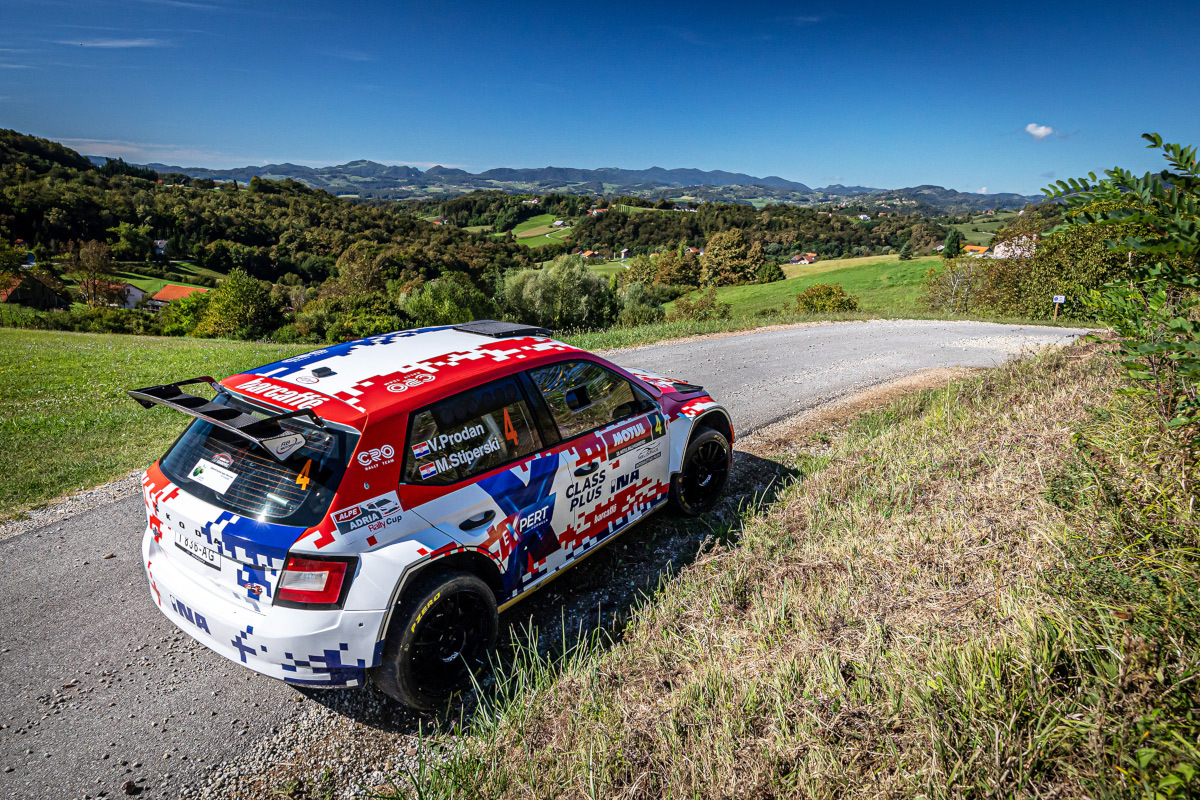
(150, 284)
(537, 231)
(606, 268)
(883, 285)
(65, 422)
(987, 224)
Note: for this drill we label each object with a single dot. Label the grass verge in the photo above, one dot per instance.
(65, 421)
(953, 601)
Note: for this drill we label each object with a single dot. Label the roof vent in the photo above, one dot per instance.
(500, 330)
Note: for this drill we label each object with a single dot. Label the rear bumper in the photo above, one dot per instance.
(310, 648)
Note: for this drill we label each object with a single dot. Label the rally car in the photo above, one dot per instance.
(366, 509)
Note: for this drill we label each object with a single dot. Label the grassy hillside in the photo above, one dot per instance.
(939, 606)
(65, 422)
(987, 225)
(883, 285)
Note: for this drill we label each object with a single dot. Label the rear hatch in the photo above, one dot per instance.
(240, 508)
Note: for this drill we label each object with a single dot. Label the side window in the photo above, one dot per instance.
(584, 396)
(469, 433)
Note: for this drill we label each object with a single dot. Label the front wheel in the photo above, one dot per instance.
(702, 476)
(441, 635)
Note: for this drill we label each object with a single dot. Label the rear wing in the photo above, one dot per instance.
(267, 433)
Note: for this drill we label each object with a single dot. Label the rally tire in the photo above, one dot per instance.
(441, 634)
(703, 474)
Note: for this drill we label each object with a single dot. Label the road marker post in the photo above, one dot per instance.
(1059, 299)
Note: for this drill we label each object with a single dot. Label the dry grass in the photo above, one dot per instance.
(896, 626)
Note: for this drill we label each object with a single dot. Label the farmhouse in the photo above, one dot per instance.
(974, 250)
(172, 292)
(624, 253)
(28, 290)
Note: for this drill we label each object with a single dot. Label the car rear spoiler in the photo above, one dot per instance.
(267, 433)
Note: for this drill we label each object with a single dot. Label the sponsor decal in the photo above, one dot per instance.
(223, 460)
(377, 457)
(281, 395)
(531, 531)
(624, 480)
(586, 491)
(191, 616)
(409, 382)
(646, 458)
(373, 515)
(282, 445)
(421, 450)
(307, 379)
(440, 441)
(642, 430)
(466, 456)
(214, 476)
(428, 471)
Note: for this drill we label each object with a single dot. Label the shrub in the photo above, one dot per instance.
(825, 297)
(769, 273)
(639, 306)
(565, 295)
(240, 308)
(448, 300)
(702, 309)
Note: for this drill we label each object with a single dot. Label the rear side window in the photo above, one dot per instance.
(237, 475)
(470, 433)
(584, 396)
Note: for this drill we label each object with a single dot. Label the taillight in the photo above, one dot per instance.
(312, 581)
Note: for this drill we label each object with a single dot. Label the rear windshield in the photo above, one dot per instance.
(235, 474)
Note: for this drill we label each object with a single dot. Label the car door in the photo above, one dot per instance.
(614, 448)
(480, 458)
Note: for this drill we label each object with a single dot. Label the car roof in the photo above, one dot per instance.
(394, 372)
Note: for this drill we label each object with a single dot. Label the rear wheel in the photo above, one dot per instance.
(441, 635)
(702, 477)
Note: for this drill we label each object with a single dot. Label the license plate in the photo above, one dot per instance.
(198, 549)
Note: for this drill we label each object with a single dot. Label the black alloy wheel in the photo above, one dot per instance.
(702, 477)
(440, 636)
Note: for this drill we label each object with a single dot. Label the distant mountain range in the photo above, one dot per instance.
(369, 179)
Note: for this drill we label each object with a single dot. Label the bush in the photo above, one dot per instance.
(639, 306)
(240, 308)
(565, 295)
(825, 297)
(448, 300)
(704, 308)
(769, 273)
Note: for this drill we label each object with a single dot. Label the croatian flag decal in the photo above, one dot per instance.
(429, 470)
(421, 450)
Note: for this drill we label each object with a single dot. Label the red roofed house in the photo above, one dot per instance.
(974, 250)
(172, 292)
(27, 290)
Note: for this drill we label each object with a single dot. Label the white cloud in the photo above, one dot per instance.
(983, 190)
(117, 43)
(1038, 131)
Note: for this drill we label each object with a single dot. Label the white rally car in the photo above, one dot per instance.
(367, 508)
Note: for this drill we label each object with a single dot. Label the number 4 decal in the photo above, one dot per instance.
(510, 432)
(302, 480)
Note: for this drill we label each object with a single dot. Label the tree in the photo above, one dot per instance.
(906, 250)
(953, 244)
(90, 266)
(241, 308)
(953, 286)
(1156, 313)
(678, 266)
(638, 306)
(565, 295)
(133, 242)
(448, 300)
(726, 260)
(11, 258)
(639, 269)
(360, 271)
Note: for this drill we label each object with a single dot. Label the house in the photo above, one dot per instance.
(595, 212)
(28, 290)
(558, 223)
(1017, 247)
(694, 251)
(160, 245)
(864, 216)
(803, 258)
(172, 292)
(974, 250)
(624, 253)
(127, 295)
(812, 257)
(534, 202)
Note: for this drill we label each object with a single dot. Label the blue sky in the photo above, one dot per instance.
(890, 94)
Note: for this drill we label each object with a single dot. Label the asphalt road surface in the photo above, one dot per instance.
(99, 688)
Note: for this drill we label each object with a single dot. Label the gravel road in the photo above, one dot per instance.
(101, 689)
